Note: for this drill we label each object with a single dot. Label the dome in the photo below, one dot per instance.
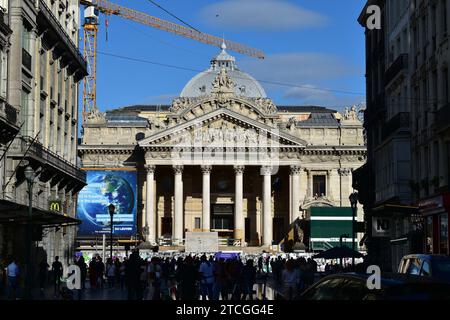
(201, 84)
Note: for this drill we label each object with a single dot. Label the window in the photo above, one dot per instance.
(24, 109)
(414, 267)
(43, 70)
(197, 223)
(425, 269)
(42, 121)
(443, 234)
(51, 143)
(327, 290)
(319, 188)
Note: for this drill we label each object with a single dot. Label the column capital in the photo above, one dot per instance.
(150, 168)
(178, 169)
(239, 169)
(206, 169)
(295, 169)
(266, 170)
(344, 171)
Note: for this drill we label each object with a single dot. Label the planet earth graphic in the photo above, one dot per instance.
(104, 189)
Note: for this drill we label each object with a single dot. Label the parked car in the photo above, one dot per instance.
(426, 265)
(353, 286)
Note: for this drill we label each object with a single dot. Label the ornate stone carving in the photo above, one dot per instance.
(156, 123)
(266, 105)
(266, 170)
(180, 104)
(222, 82)
(178, 169)
(206, 169)
(351, 114)
(239, 169)
(95, 116)
(344, 171)
(150, 168)
(295, 169)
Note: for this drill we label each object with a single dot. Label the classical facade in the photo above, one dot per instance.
(38, 93)
(224, 157)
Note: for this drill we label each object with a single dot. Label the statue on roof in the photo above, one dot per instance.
(223, 81)
(351, 114)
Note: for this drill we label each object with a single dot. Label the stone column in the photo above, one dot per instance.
(178, 207)
(266, 171)
(295, 193)
(239, 222)
(206, 215)
(310, 184)
(150, 219)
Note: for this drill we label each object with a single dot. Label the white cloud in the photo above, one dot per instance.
(273, 15)
(312, 95)
(298, 67)
(162, 99)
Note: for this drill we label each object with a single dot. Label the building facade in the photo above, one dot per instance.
(224, 157)
(405, 121)
(39, 84)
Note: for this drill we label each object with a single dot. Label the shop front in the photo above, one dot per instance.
(435, 212)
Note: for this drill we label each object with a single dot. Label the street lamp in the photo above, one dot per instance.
(354, 202)
(111, 209)
(29, 176)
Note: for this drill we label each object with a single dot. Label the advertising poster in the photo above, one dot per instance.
(105, 187)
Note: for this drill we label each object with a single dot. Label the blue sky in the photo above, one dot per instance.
(308, 43)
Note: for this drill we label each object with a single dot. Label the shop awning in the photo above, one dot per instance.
(15, 213)
(390, 208)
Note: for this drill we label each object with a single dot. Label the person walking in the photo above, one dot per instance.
(110, 273)
(122, 273)
(187, 275)
(132, 275)
(290, 280)
(93, 273)
(83, 270)
(207, 278)
(248, 280)
(100, 271)
(57, 270)
(43, 272)
(12, 275)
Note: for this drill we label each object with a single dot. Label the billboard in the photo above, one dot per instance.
(105, 187)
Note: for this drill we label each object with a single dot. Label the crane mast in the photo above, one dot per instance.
(91, 14)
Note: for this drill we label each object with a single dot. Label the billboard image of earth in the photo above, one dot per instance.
(104, 188)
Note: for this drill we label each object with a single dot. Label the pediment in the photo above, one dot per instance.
(222, 126)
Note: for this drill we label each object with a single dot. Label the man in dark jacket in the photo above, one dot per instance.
(57, 269)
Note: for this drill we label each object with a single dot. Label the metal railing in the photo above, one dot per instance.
(62, 34)
(223, 242)
(399, 121)
(401, 63)
(8, 112)
(48, 156)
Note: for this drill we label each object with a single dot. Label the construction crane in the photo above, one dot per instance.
(91, 14)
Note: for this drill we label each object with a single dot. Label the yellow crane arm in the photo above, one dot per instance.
(108, 7)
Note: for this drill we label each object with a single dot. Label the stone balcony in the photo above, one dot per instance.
(50, 166)
(8, 122)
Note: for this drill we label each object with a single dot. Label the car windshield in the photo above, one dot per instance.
(441, 269)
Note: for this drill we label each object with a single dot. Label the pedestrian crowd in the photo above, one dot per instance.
(179, 277)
